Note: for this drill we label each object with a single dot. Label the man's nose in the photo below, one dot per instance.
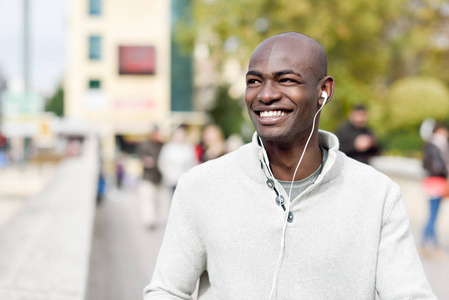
(269, 92)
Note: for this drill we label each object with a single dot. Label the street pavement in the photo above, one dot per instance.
(123, 251)
(14, 193)
(45, 242)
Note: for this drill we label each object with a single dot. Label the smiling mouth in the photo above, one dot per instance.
(272, 113)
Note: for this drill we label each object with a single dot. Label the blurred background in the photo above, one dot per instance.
(83, 83)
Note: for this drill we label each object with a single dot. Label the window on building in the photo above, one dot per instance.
(95, 7)
(95, 47)
(94, 84)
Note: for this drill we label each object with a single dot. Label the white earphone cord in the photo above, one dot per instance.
(276, 273)
(305, 147)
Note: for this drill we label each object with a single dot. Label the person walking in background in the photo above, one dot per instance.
(436, 163)
(120, 169)
(213, 142)
(177, 157)
(356, 139)
(4, 149)
(149, 186)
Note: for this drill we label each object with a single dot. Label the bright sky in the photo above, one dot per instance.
(48, 25)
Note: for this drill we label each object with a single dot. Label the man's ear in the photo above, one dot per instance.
(327, 85)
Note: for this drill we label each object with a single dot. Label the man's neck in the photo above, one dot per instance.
(283, 160)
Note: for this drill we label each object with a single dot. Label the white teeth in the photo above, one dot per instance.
(272, 113)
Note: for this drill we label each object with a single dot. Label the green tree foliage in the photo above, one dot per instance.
(56, 103)
(370, 43)
(227, 112)
(411, 100)
(404, 142)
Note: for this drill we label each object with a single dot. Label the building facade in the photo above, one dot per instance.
(118, 68)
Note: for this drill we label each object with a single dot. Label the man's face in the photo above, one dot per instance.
(282, 90)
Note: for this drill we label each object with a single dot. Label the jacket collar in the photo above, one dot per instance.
(326, 140)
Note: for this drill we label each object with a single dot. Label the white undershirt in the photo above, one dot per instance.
(301, 185)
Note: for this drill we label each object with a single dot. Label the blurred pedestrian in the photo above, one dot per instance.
(101, 182)
(120, 169)
(177, 157)
(356, 139)
(288, 216)
(149, 186)
(213, 142)
(101, 185)
(436, 163)
(4, 147)
(233, 142)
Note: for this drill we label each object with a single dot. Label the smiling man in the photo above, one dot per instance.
(288, 216)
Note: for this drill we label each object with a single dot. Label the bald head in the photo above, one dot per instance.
(285, 82)
(301, 44)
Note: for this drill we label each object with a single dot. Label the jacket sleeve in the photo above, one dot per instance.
(181, 259)
(400, 274)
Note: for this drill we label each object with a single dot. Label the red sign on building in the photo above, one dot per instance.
(137, 60)
(137, 104)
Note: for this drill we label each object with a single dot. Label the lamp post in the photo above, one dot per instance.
(26, 72)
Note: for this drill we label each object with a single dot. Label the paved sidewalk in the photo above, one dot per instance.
(45, 243)
(124, 252)
(20, 182)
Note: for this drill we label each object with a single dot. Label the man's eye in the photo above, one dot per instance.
(251, 81)
(288, 80)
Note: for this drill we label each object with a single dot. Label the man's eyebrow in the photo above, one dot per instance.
(286, 72)
(254, 73)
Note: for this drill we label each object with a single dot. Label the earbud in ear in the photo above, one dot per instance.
(324, 96)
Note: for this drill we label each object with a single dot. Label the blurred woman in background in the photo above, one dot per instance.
(436, 163)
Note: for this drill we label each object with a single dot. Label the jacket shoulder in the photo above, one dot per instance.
(358, 170)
